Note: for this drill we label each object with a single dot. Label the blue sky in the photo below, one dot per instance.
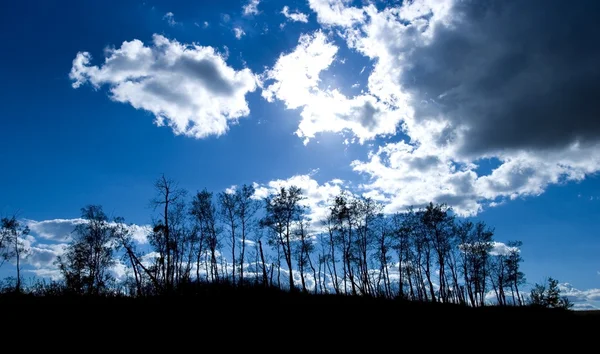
(405, 103)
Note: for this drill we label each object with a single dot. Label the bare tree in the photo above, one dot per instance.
(475, 243)
(499, 277)
(438, 223)
(515, 276)
(304, 250)
(205, 213)
(283, 210)
(246, 212)
(384, 244)
(12, 234)
(342, 216)
(86, 261)
(402, 231)
(329, 258)
(167, 233)
(229, 205)
(364, 211)
(124, 241)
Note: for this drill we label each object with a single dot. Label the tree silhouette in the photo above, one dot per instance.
(246, 211)
(86, 261)
(12, 246)
(205, 213)
(168, 234)
(283, 211)
(548, 295)
(353, 250)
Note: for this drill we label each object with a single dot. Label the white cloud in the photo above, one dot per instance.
(239, 32)
(584, 307)
(170, 18)
(335, 12)
(231, 190)
(502, 249)
(55, 229)
(139, 233)
(580, 297)
(318, 197)
(414, 176)
(190, 88)
(295, 80)
(294, 16)
(51, 273)
(44, 255)
(59, 230)
(452, 73)
(406, 176)
(251, 8)
(296, 74)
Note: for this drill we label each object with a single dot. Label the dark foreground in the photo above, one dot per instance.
(230, 314)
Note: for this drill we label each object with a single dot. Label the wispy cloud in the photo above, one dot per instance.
(294, 16)
(251, 8)
(170, 18)
(238, 32)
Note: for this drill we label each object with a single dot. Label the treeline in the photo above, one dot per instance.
(232, 237)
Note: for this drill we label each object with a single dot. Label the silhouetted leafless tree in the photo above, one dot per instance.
(246, 211)
(205, 212)
(283, 211)
(12, 245)
(168, 233)
(86, 262)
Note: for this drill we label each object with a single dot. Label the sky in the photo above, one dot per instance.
(490, 107)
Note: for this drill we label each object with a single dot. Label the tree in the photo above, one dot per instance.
(237, 209)
(548, 295)
(122, 236)
(381, 255)
(86, 262)
(303, 251)
(168, 233)
(229, 205)
(365, 211)
(329, 257)
(205, 214)
(475, 243)
(515, 276)
(342, 217)
(283, 211)
(438, 223)
(247, 208)
(12, 233)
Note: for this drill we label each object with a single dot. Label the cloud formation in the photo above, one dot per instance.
(189, 88)
(476, 81)
(294, 16)
(59, 230)
(170, 18)
(295, 79)
(251, 8)
(582, 299)
(238, 32)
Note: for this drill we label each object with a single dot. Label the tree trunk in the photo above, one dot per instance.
(242, 252)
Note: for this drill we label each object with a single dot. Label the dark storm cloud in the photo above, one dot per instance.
(515, 74)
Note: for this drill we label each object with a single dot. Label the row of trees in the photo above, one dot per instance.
(426, 254)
